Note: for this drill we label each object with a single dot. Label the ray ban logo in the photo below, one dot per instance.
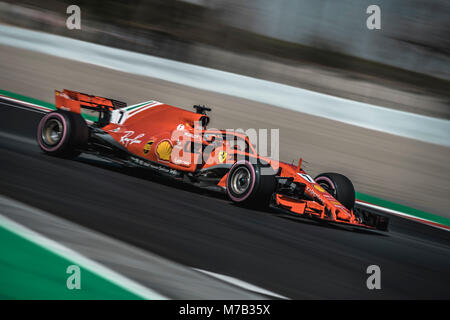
(127, 140)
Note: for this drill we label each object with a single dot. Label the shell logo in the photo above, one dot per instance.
(164, 150)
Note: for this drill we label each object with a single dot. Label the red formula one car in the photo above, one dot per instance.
(176, 143)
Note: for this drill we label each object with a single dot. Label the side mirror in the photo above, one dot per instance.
(299, 166)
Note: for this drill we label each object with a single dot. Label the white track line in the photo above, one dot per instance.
(86, 263)
(242, 284)
(403, 215)
(32, 105)
(32, 109)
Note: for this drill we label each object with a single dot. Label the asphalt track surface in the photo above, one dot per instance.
(203, 230)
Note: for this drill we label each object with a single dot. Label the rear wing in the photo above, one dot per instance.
(81, 103)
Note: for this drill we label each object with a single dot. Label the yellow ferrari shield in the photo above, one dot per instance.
(222, 156)
(147, 146)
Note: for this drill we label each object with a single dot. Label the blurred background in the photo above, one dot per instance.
(322, 45)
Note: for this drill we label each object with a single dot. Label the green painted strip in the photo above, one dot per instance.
(28, 271)
(41, 103)
(402, 208)
(27, 99)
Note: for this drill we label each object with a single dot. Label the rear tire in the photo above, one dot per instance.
(62, 134)
(339, 186)
(247, 185)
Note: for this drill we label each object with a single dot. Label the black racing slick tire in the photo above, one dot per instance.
(339, 186)
(62, 134)
(250, 185)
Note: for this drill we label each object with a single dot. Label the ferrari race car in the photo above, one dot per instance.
(176, 143)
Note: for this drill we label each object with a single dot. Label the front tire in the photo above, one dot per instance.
(339, 186)
(247, 185)
(62, 134)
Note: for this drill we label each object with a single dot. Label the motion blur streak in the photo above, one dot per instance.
(409, 125)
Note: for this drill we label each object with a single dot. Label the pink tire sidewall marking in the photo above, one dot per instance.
(328, 180)
(41, 125)
(253, 174)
